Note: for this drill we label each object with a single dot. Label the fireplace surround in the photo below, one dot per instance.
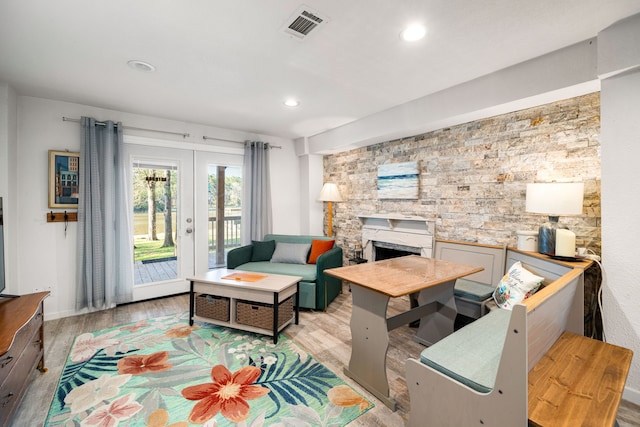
(388, 232)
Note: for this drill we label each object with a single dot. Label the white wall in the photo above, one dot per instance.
(620, 206)
(558, 75)
(312, 212)
(4, 138)
(619, 62)
(8, 147)
(316, 207)
(285, 190)
(45, 256)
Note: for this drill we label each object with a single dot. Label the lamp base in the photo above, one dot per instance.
(547, 239)
(547, 236)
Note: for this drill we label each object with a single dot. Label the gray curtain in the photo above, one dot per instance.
(105, 253)
(256, 201)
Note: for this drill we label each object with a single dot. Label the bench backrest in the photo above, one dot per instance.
(542, 267)
(556, 307)
(490, 257)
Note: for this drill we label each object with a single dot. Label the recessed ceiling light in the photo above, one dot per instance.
(141, 66)
(291, 102)
(413, 33)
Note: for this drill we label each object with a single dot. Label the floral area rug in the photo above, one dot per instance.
(163, 372)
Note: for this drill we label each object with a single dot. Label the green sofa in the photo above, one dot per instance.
(317, 289)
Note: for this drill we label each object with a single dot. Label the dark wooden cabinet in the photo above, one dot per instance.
(21, 348)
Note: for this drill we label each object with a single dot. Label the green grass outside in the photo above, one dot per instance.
(149, 249)
(145, 249)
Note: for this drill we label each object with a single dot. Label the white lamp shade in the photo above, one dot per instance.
(330, 193)
(555, 198)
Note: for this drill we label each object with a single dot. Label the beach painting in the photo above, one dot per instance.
(398, 181)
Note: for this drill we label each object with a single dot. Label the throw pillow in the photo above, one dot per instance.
(262, 251)
(318, 247)
(291, 253)
(516, 286)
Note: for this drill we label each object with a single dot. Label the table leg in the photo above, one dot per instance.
(440, 320)
(275, 317)
(297, 301)
(369, 343)
(191, 304)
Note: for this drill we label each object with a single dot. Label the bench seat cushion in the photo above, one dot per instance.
(471, 355)
(475, 291)
(308, 272)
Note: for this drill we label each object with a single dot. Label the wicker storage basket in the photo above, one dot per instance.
(212, 307)
(261, 315)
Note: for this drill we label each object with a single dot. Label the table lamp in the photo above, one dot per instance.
(555, 199)
(330, 193)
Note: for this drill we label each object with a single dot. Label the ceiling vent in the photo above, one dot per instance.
(303, 22)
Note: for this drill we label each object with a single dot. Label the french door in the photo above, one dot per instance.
(161, 183)
(186, 215)
(218, 214)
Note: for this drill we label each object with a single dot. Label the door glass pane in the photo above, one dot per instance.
(224, 212)
(154, 222)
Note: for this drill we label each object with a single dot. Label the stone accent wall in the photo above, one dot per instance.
(473, 176)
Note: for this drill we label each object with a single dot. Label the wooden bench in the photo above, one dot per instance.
(473, 292)
(542, 371)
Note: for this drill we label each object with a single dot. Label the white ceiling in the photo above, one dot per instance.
(228, 63)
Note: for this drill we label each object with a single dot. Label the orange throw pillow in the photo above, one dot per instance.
(318, 247)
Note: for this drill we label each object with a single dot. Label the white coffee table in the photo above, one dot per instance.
(271, 289)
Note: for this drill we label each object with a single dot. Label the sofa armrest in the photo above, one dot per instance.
(239, 256)
(328, 287)
(330, 259)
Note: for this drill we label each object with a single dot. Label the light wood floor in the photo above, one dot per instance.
(325, 335)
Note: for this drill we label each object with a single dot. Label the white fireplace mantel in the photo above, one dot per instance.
(393, 220)
(396, 229)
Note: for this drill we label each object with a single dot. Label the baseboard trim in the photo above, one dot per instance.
(631, 395)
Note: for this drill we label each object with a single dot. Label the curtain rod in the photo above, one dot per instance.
(237, 142)
(184, 135)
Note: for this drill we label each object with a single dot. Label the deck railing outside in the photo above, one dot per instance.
(220, 245)
(232, 237)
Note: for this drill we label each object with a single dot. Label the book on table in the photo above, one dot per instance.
(245, 277)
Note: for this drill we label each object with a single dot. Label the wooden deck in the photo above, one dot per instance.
(162, 270)
(154, 271)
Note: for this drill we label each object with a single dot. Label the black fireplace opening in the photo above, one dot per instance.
(385, 252)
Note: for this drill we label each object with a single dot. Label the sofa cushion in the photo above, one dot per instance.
(292, 253)
(318, 247)
(306, 271)
(472, 290)
(262, 251)
(471, 355)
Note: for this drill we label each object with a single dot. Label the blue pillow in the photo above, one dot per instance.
(291, 253)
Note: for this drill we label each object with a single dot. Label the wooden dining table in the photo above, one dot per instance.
(429, 280)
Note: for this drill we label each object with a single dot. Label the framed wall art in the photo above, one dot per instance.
(64, 175)
(398, 181)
